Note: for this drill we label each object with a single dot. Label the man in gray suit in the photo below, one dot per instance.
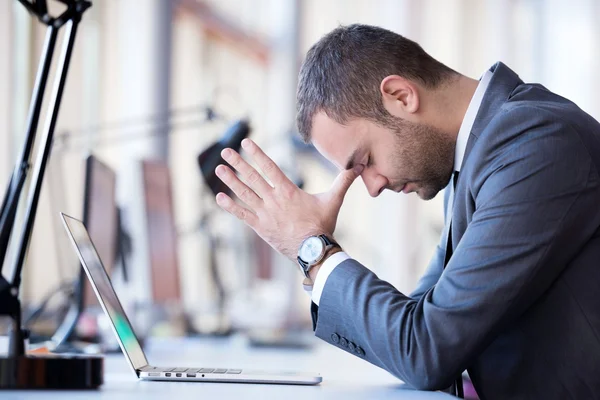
(512, 292)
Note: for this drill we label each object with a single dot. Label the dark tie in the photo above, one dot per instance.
(457, 387)
(451, 207)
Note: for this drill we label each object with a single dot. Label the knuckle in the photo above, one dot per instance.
(288, 191)
(245, 194)
(253, 177)
(269, 167)
(235, 161)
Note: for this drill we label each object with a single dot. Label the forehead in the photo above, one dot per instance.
(335, 141)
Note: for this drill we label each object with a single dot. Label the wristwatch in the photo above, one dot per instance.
(312, 250)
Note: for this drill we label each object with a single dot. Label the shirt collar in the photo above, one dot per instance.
(469, 119)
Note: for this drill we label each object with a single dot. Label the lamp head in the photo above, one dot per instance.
(210, 158)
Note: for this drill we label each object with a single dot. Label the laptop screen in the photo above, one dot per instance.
(104, 290)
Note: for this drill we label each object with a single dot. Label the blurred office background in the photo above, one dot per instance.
(145, 72)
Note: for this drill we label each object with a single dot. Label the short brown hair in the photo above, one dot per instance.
(343, 70)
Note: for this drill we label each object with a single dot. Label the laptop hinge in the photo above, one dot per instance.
(142, 369)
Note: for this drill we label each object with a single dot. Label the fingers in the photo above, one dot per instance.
(240, 189)
(268, 166)
(250, 175)
(343, 182)
(243, 214)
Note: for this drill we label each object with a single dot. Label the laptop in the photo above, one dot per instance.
(131, 346)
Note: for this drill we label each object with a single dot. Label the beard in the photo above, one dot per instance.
(423, 154)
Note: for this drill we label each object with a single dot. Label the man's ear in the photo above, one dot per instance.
(400, 96)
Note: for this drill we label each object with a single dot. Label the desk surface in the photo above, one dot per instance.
(344, 376)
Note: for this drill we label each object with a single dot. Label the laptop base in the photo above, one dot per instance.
(227, 375)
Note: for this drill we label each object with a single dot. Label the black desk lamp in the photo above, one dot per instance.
(210, 158)
(18, 370)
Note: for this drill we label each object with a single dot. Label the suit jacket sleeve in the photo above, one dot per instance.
(531, 216)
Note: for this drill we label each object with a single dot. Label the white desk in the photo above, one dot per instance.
(344, 376)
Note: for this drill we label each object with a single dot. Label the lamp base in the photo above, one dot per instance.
(51, 371)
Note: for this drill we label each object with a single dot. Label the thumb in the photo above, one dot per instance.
(343, 182)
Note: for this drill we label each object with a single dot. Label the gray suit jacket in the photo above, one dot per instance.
(518, 304)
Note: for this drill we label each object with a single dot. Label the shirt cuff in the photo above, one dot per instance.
(326, 268)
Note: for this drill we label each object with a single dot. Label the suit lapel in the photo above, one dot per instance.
(502, 84)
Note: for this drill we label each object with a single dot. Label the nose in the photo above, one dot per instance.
(374, 183)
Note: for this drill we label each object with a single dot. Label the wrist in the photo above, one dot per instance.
(312, 273)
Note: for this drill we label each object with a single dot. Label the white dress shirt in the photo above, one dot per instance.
(461, 146)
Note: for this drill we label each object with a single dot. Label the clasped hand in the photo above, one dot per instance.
(279, 212)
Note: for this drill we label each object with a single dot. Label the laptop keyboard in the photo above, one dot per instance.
(189, 372)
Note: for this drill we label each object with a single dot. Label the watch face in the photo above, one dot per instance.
(311, 249)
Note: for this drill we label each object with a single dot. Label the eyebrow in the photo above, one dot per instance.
(352, 160)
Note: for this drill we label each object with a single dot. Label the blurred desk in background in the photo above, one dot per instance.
(344, 376)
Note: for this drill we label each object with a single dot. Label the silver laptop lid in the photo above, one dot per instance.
(106, 293)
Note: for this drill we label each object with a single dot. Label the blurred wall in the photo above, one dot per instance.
(6, 28)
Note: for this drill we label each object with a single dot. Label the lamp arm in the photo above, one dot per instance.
(9, 291)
